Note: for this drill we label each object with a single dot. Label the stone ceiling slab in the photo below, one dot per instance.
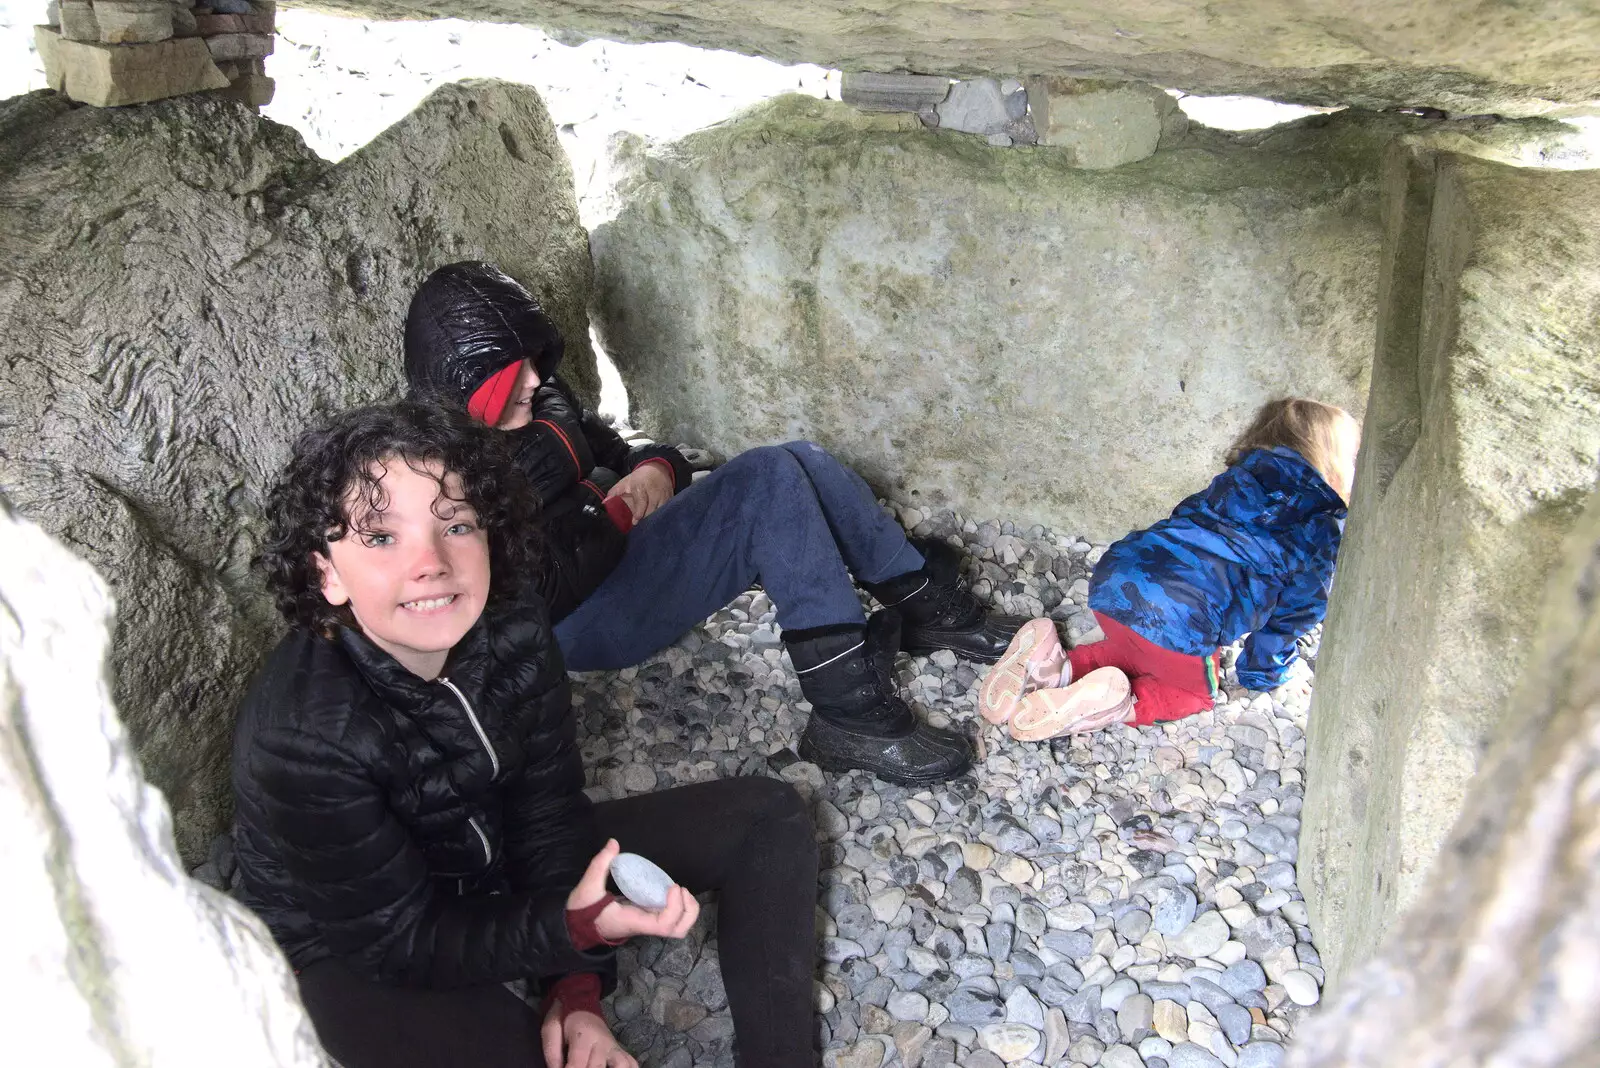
(1514, 59)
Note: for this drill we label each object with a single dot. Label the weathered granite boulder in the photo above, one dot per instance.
(1511, 59)
(1494, 962)
(112, 956)
(991, 329)
(1480, 448)
(182, 287)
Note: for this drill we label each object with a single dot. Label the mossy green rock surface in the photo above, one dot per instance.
(991, 329)
(1480, 449)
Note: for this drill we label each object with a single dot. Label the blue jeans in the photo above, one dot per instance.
(790, 516)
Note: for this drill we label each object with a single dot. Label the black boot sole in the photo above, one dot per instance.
(932, 645)
(838, 763)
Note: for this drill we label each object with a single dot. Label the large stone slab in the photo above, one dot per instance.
(186, 285)
(111, 75)
(111, 956)
(1482, 437)
(991, 329)
(1494, 962)
(1510, 59)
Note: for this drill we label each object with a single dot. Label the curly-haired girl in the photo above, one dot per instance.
(411, 821)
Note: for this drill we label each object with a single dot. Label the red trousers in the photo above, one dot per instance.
(1166, 685)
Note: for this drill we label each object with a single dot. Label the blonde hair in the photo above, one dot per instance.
(1309, 427)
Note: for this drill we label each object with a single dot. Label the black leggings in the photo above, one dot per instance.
(750, 839)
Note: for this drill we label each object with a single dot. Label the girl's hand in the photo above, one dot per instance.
(580, 1040)
(619, 920)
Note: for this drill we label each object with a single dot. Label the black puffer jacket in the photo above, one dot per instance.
(467, 321)
(426, 833)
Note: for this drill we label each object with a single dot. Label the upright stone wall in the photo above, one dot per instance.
(1481, 443)
(1494, 961)
(111, 956)
(184, 287)
(992, 329)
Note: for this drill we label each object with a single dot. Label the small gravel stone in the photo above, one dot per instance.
(1235, 1023)
(885, 904)
(1261, 1055)
(1073, 944)
(1171, 1022)
(1172, 910)
(1265, 934)
(908, 1005)
(1154, 1046)
(1086, 1050)
(1164, 991)
(1301, 987)
(1205, 936)
(1209, 994)
(1009, 1041)
(1242, 978)
(1023, 1008)
(1189, 1055)
(1133, 925)
(1136, 1014)
(1117, 992)
(867, 1053)
(1120, 1057)
(968, 1006)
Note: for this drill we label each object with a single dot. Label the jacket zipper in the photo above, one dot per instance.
(472, 717)
(483, 839)
(494, 762)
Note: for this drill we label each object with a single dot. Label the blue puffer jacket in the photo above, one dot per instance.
(1251, 554)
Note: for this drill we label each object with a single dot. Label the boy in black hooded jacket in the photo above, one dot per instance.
(410, 817)
(629, 571)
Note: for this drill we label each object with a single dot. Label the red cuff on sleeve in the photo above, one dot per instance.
(581, 928)
(579, 992)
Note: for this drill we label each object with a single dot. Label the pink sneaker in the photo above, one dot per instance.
(1034, 660)
(1102, 698)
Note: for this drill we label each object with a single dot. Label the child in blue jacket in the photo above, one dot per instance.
(1252, 554)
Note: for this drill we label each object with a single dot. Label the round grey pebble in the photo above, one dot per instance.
(1260, 1055)
(1189, 1055)
(1133, 925)
(1172, 909)
(1160, 991)
(640, 880)
(1278, 875)
(911, 1007)
(1030, 919)
(838, 950)
(968, 1006)
(1243, 978)
(855, 921)
(1235, 1023)
(1209, 994)
(1267, 838)
(1264, 934)
(1074, 944)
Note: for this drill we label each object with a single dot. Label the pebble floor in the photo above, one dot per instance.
(1123, 899)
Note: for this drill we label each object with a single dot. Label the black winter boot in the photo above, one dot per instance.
(858, 720)
(939, 612)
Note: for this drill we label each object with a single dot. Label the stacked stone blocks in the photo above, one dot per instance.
(114, 52)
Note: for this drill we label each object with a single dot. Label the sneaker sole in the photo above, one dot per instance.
(1007, 681)
(1101, 698)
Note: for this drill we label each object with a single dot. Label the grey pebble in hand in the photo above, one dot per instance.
(641, 881)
